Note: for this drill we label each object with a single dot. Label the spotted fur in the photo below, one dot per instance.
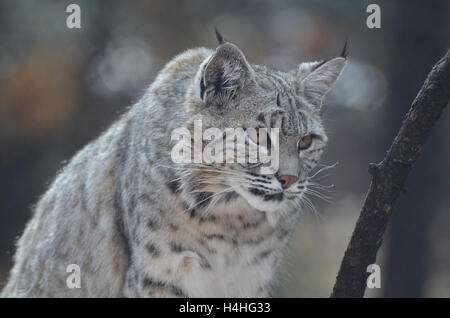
(139, 225)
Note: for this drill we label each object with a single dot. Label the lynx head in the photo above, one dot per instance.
(229, 92)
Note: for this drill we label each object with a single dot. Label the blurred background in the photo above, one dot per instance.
(60, 88)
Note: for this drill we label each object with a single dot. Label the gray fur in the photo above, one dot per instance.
(140, 226)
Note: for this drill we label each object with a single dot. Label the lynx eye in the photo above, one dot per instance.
(305, 142)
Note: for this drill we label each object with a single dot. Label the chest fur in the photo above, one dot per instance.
(230, 252)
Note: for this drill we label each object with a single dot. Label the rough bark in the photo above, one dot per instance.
(388, 178)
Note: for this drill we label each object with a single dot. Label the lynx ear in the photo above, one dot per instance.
(320, 80)
(224, 74)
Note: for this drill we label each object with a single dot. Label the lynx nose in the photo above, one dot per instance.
(287, 181)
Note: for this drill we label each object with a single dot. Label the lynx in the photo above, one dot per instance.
(139, 225)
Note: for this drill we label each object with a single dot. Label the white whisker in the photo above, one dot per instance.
(326, 167)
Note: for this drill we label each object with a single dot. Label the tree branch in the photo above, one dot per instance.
(388, 178)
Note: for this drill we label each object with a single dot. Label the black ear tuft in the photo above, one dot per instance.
(219, 36)
(344, 50)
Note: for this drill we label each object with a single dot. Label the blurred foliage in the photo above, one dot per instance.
(37, 97)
